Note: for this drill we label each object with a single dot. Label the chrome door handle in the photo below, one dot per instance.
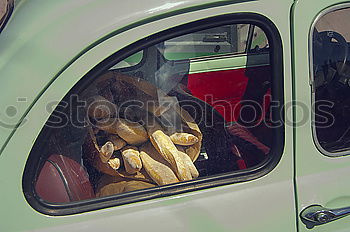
(317, 215)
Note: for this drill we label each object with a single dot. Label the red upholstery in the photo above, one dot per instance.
(246, 160)
(224, 90)
(243, 133)
(63, 180)
(227, 92)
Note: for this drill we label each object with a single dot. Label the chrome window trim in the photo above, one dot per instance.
(311, 80)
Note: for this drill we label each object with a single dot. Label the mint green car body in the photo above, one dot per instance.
(48, 46)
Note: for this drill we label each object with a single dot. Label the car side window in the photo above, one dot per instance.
(162, 123)
(223, 40)
(131, 61)
(259, 40)
(227, 39)
(331, 81)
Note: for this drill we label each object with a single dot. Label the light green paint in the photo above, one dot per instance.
(229, 206)
(319, 179)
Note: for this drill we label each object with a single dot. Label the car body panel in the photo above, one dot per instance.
(320, 179)
(232, 207)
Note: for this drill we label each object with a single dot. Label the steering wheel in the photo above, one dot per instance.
(327, 39)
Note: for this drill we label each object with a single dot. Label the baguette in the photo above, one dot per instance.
(131, 158)
(114, 163)
(106, 152)
(189, 164)
(167, 149)
(192, 127)
(132, 132)
(91, 151)
(184, 139)
(118, 143)
(156, 166)
(109, 185)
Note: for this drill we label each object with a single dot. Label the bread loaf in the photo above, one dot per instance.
(106, 151)
(92, 153)
(109, 125)
(189, 164)
(114, 163)
(131, 158)
(118, 143)
(184, 139)
(192, 127)
(156, 166)
(133, 133)
(167, 149)
(109, 185)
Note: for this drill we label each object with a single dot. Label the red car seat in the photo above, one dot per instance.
(62, 179)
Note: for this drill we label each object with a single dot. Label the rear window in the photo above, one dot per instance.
(331, 81)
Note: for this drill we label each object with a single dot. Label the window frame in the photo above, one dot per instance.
(322, 13)
(276, 58)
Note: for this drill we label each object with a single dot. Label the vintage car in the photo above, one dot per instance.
(166, 115)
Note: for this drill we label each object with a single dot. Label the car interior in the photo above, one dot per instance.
(227, 109)
(331, 88)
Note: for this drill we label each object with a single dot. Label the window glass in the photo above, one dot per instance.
(124, 132)
(331, 81)
(228, 39)
(259, 40)
(130, 61)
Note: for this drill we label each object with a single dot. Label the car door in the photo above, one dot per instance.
(322, 161)
(260, 197)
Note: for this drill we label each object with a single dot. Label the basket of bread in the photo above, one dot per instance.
(129, 142)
